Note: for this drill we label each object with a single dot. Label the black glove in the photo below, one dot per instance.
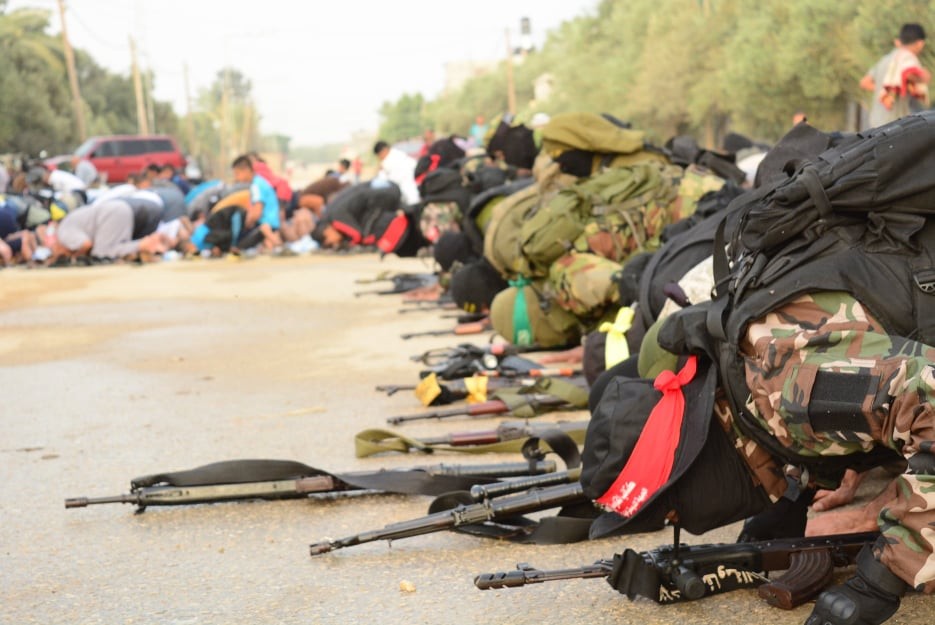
(869, 598)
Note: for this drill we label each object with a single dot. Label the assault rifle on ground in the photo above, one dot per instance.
(462, 329)
(535, 401)
(402, 283)
(509, 436)
(460, 388)
(679, 572)
(464, 514)
(285, 479)
(465, 360)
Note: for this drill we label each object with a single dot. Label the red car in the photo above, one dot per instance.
(117, 156)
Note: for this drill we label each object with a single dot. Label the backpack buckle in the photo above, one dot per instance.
(925, 280)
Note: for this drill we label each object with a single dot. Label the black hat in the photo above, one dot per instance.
(453, 246)
(708, 484)
(475, 284)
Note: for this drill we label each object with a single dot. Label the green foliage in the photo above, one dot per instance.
(701, 67)
(37, 112)
(402, 119)
(328, 153)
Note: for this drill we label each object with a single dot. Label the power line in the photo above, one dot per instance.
(100, 40)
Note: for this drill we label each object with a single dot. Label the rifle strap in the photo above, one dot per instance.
(231, 472)
(405, 481)
(376, 441)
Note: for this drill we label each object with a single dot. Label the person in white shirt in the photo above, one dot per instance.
(60, 180)
(398, 168)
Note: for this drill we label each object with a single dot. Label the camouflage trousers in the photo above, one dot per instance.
(826, 380)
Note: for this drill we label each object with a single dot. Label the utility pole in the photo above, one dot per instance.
(148, 95)
(225, 150)
(189, 122)
(510, 84)
(72, 76)
(141, 120)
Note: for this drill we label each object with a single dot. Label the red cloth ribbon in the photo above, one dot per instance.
(649, 466)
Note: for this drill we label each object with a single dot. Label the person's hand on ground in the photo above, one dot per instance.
(575, 355)
(423, 293)
(843, 495)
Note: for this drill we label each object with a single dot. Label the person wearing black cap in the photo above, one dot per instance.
(474, 285)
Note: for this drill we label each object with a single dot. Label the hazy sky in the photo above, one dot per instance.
(320, 70)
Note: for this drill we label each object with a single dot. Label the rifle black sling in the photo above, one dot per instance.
(404, 481)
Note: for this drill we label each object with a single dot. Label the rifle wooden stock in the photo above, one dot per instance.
(532, 501)
(492, 407)
(676, 573)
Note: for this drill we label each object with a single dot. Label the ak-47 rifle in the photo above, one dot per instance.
(465, 360)
(462, 329)
(508, 437)
(402, 283)
(679, 572)
(284, 479)
(483, 409)
(533, 500)
(457, 388)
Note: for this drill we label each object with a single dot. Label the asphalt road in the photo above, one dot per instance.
(114, 372)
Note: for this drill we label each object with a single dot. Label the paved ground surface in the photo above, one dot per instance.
(114, 372)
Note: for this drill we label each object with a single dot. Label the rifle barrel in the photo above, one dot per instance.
(183, 495)
(82, 502)
(480, 492)
(532, 501)
(492, 407)
(528, 575)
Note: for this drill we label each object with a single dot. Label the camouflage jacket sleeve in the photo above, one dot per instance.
(825, 379)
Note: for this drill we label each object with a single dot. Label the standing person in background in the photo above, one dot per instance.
(478, 131)
(897, 78)
(398, 168)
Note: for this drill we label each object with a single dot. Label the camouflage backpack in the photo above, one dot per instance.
(502, 243)
(583, 284)
(585, 143)
(613, 214)
(524, 315)
(444, 202)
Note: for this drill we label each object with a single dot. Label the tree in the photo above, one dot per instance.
(36, 114)
(402, 119)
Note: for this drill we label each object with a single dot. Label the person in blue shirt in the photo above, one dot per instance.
(261, 193)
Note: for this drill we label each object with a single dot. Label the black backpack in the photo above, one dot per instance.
(444, 152)
(853, 218)
(517, 144)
